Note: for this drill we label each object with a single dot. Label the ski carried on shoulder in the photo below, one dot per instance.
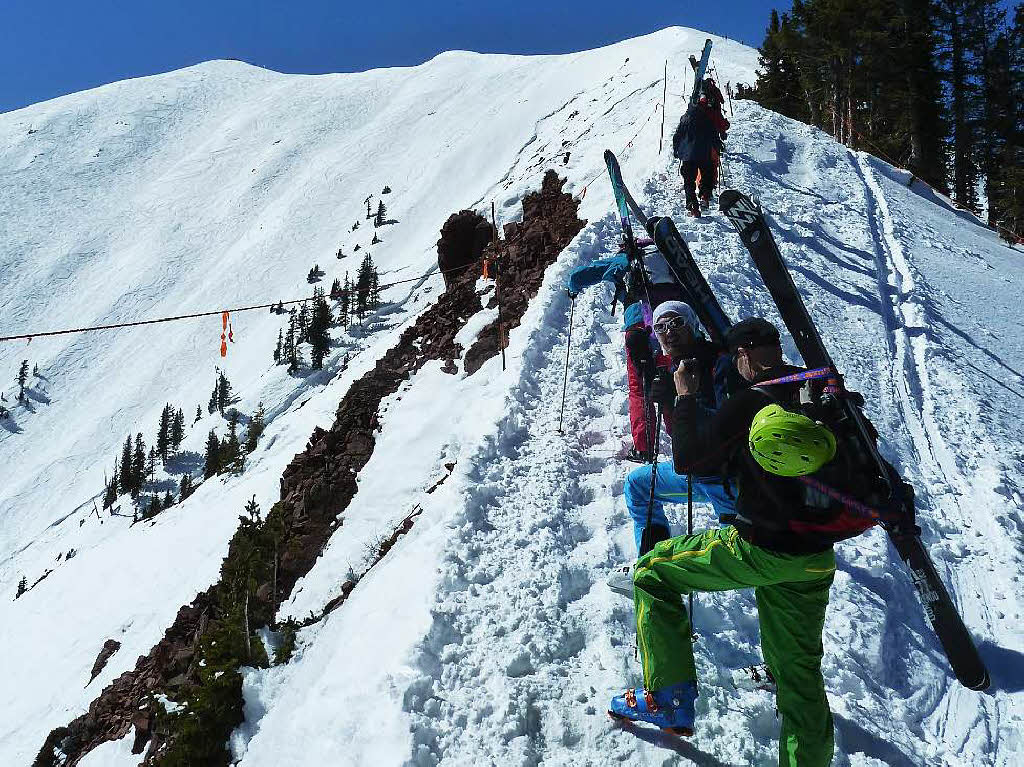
(699, 68)
(688, 274)
(676, 252)
(749, 221)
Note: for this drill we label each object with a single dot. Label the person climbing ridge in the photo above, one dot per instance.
(641, 348)
(780, 544)
(648, 488)
(697, 144)
(682, 343)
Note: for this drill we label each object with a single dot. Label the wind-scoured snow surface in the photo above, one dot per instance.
(487, 635)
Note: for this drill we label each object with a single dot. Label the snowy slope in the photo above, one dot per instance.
(512, 645)
(487, 635)
(218, 186)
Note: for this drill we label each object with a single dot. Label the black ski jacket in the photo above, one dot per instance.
(703, 442)
(696, 137)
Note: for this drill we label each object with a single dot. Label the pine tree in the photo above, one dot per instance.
(212, 456)
(345, 307)
(221, 396)
(177, 429)
(22, 587)
(376, 240)
(954, 26)
(22, 379)
(302, 323)
(374, 287)
(127, 476)
(138, 465)
(231, 456)
(185, 488)
(386, 190)
(291, 353)
(152, 507)
(199, 415)
(319, 335)
(369, 209)
(277, 349)
(365, 281)
(382, 211)
(341, 254)
(151, 464)
(163, 432)
(336, 289)
(355, 226)
(224, 395)
(168, 500)
(863, 70)
(110, 490)
(256, 427)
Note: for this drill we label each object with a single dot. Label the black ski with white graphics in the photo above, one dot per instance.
(676, 252)
(749, 221)
(688, 274)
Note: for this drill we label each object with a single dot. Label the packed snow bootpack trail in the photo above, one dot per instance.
(705, 450)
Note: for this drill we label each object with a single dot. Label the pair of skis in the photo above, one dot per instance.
(749, 221)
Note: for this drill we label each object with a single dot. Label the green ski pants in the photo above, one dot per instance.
(791, 593)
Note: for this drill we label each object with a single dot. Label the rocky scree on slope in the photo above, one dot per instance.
(196, 662)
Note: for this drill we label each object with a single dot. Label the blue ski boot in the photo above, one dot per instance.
(670, 708)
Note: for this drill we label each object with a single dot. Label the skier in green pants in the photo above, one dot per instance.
(780, 545)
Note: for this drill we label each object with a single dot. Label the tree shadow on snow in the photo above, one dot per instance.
(854, 739)
(767, 169)
(1005, 666)
(186, 462)
(984, 350)
(8, 423)
(867, 300)
(37, 396)
(923, 190)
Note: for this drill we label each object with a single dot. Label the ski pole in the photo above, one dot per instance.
(689, 531)
(565, 375)
(645, 540)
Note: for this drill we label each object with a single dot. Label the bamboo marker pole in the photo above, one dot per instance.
(664, 97)
(497, 285)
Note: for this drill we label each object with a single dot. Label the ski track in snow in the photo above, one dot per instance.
(527, 643)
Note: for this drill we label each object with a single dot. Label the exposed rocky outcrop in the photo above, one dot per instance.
(549, 224)
(463, 238)
(316, 487)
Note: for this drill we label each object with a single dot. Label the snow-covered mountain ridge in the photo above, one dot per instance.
(487, 635)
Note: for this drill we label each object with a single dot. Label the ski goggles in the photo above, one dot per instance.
(668, 325)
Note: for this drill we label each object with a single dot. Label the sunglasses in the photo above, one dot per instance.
(674, 323)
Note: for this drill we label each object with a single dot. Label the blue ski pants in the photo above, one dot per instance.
(670, 488)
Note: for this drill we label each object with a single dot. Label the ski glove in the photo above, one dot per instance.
(663, 389)
(638, 346)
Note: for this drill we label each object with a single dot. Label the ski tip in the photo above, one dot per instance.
(728, 198)
(979, 684)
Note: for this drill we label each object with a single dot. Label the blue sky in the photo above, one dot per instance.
(52, 47)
